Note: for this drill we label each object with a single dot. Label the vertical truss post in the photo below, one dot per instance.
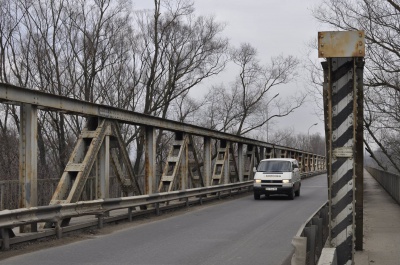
(240, 161)
(262, 153)
(226, 168)
(249, 163)
(103, 181)
(150, 160)
(341, 88)
(184, 166)
(221, 166)
(28, 160)
(207, 161)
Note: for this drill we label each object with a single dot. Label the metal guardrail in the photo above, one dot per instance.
(311, 237)
(389, 181)
(57, 213)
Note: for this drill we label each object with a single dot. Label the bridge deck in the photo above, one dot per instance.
(381, 226)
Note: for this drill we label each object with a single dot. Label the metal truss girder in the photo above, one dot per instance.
(118, 171)
(174, 160)
(233, 167)
(193, 166)
(134, 185)
(76, 171)
(221, 166)
(10, 94)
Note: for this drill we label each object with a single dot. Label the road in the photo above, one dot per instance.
(240, 231)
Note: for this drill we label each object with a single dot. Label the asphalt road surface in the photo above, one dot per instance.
(240, 231)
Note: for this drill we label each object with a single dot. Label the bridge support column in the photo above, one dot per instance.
(227, 170)
(150, 161)
(240, 162)
(207, 161)
(103, 181)
(342, 113)
(28, 161)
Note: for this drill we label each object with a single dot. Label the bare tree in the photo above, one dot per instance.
(249, 104)
(313, 143)
(179, 50)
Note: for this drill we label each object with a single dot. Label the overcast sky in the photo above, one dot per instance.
(273, 27)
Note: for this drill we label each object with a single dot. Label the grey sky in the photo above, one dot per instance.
(273, 27)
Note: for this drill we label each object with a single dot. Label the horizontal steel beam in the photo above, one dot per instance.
(10, 94)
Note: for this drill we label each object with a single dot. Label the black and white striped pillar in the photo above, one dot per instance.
(343, 99)
(341, 113)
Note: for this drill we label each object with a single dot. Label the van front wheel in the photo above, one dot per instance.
(256, 196)
(297, 193)
(291, 194)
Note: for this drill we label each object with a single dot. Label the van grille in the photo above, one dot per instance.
(271, 181)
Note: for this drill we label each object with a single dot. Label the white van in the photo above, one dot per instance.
(277, 176)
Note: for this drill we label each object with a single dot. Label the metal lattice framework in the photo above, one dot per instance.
(100, 145)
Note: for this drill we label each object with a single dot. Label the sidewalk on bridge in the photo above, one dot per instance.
(381, 226)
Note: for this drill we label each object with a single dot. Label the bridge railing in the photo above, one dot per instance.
(56, 214)
(389, 181)
(311, 237)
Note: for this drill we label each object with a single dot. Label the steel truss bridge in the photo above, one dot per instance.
(184, 176)
(100, 147)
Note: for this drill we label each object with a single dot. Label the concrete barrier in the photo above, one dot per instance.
(328, 257)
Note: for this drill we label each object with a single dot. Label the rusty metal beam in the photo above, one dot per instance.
(207, 161)
(13, 95)
(150, 160)
(103, 178)
(240, 162)
(28, 160)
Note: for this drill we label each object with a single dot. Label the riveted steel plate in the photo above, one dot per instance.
(341, 44)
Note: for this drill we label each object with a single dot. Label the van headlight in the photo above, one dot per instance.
(285, 181)
(257, 181)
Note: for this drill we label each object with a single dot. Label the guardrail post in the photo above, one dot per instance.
(157, 206)
(6, 238)
(310, 233)
(100, 221)
(317, 221)
(130, 214)
(58, 229)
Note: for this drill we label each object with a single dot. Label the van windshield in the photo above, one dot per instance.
(274, 166)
